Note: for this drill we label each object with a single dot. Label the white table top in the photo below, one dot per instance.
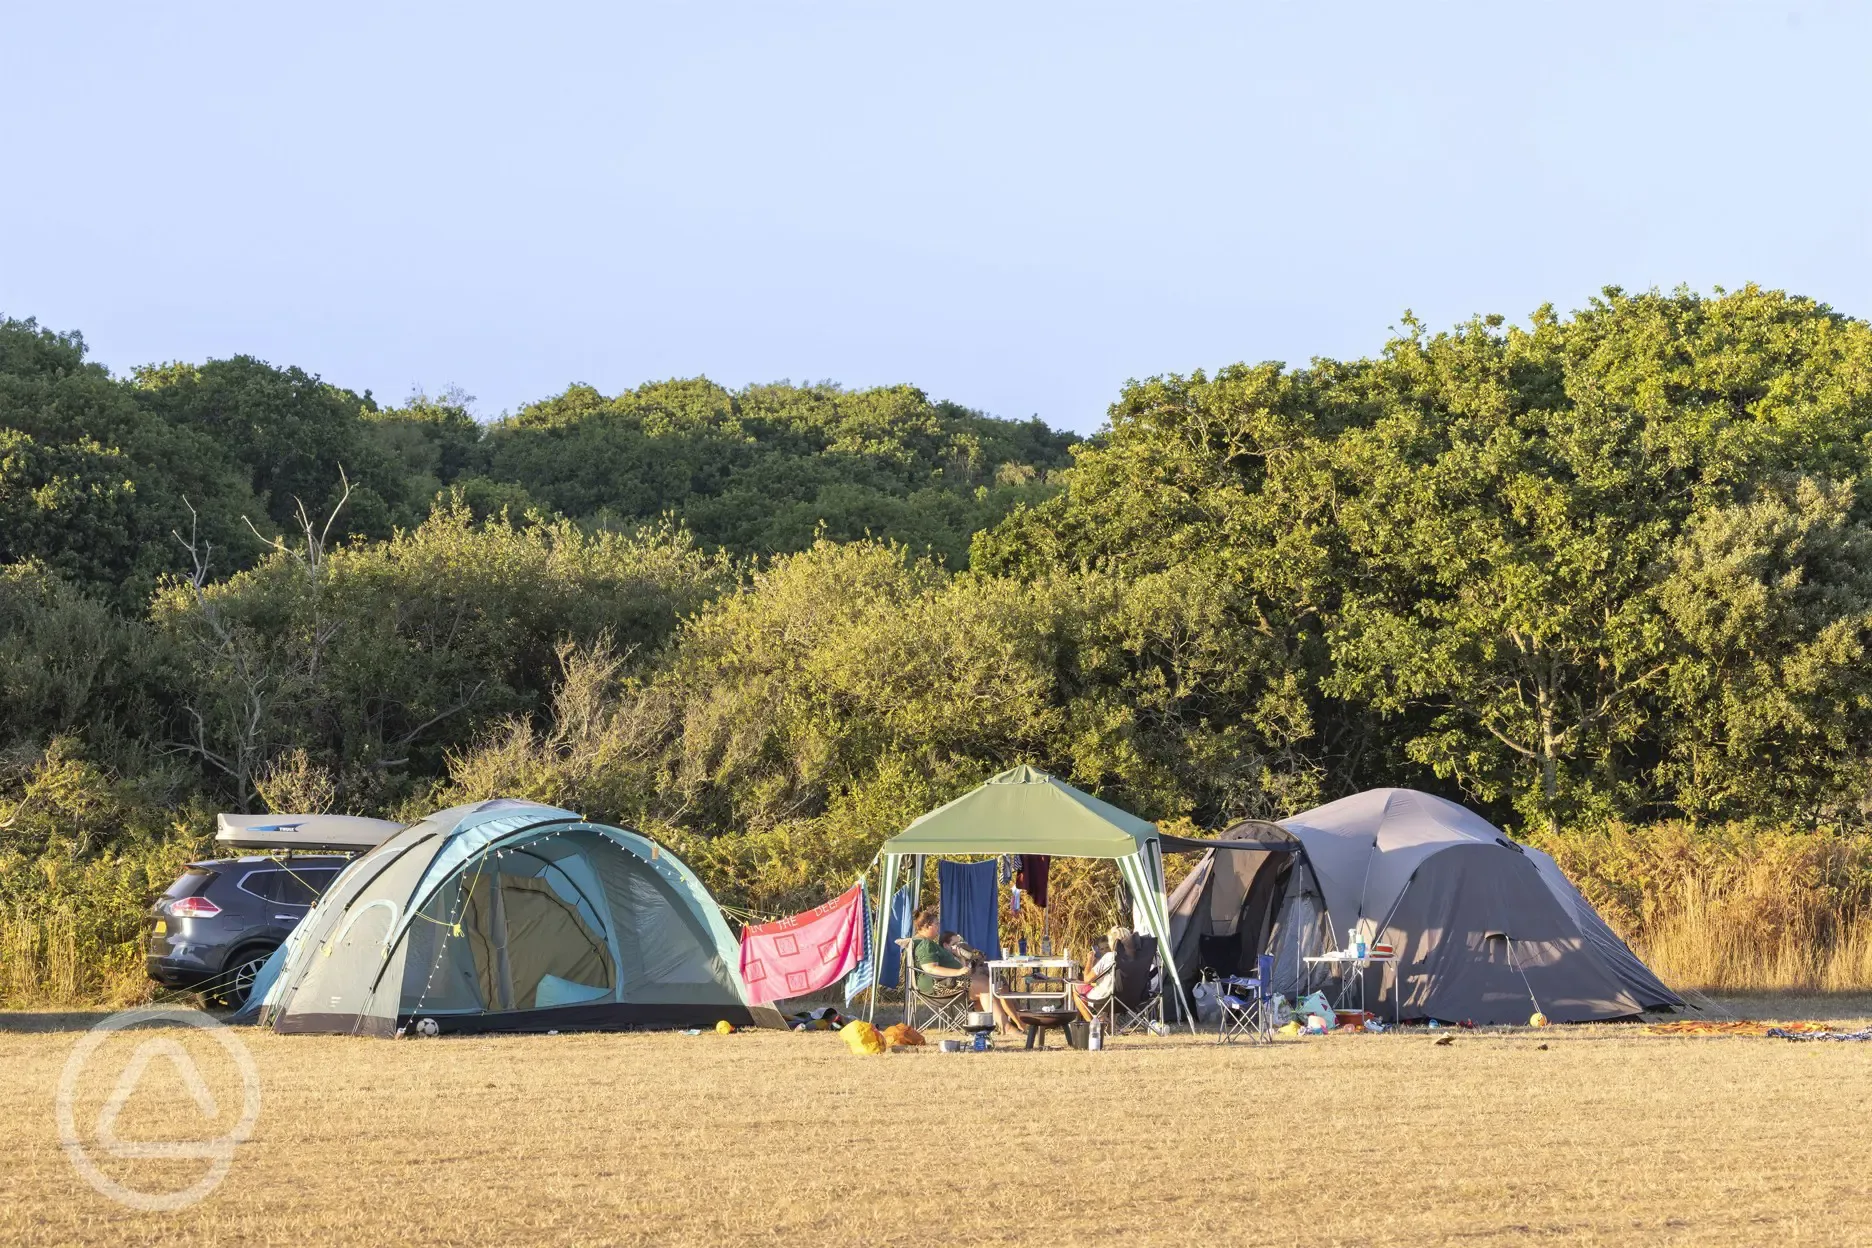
(1033, 963)
(1346, 955)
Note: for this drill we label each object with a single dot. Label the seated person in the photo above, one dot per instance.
(1090, 996)
(939, 973)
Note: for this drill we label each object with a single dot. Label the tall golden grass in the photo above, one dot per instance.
(1732, 908)
(48, 958)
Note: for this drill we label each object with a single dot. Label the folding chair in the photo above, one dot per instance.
(1136, 998)
(1244, 1002)
(942, 1011)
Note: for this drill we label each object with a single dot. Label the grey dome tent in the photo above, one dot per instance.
(1484, 928)
(508, 916)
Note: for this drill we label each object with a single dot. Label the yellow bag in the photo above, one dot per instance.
(862, 1037)
(724, 1028)
(902, 1034)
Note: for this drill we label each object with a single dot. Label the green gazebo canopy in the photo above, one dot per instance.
(1025, 811)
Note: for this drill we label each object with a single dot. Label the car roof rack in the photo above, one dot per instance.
(344, 834)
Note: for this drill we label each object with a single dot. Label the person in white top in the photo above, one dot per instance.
(1092, 993)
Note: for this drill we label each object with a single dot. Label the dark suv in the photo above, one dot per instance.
(215, 926)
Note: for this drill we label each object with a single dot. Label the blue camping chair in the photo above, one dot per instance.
(1244, 1003)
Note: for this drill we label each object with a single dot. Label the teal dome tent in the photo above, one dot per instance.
(508, 916)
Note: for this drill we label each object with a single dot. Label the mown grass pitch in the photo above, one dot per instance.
(1606, 1136)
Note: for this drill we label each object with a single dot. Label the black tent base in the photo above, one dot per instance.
(602, 1016)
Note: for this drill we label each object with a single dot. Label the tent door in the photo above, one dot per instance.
(521, 934)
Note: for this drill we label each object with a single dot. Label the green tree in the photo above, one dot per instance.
(93, 486)
(297, 439)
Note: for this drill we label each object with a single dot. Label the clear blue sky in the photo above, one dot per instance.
(1015, 206)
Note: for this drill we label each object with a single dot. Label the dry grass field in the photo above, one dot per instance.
(1605, 1136)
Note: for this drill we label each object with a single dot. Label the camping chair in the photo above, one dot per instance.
(941, 1011)
(1134, 1001)
(1244, 1002)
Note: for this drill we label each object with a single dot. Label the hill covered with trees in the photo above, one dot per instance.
(97, 473)
(1604, 576)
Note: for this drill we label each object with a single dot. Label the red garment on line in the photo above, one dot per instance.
(810, 951)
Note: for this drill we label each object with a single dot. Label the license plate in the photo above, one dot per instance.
(162, 925)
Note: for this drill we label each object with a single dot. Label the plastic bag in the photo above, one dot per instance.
(862, 1037)
(902, 1034)
(1316, 1003)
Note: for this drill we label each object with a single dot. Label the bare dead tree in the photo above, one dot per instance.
(233, 733)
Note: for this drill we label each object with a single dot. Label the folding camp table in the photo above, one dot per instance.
(1013, 980)
(1353, 976)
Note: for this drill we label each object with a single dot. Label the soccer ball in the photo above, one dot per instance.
(427, 1027)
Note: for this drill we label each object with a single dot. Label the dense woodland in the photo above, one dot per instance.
(1599, 575)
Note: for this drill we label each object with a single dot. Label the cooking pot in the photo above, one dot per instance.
(978, 1018)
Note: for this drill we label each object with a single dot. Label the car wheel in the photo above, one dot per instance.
(238, 980)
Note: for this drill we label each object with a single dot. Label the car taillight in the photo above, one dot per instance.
(193, 908)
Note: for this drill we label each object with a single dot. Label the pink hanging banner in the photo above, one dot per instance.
(810, 951)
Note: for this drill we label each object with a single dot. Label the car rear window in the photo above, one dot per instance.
(191, 882)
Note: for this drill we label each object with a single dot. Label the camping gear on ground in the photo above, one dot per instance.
(1027, 811)
(508, 915)
(802, 954)
(1314, 1003)
(1243, 1005)
(1038, 1020)
(903, 1035)
(1095, 1035)
(1784, 1033)
(970, 904)
(1490, 928)
(1204, 1000)
(824, 1018)
(950, 1046)
(979, 1023)
(1134, 997)
(1079, 1035)
(862, 1038)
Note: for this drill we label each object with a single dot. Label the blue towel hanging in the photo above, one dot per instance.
(971, 903)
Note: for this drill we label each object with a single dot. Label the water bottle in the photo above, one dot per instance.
(1095, 1036)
